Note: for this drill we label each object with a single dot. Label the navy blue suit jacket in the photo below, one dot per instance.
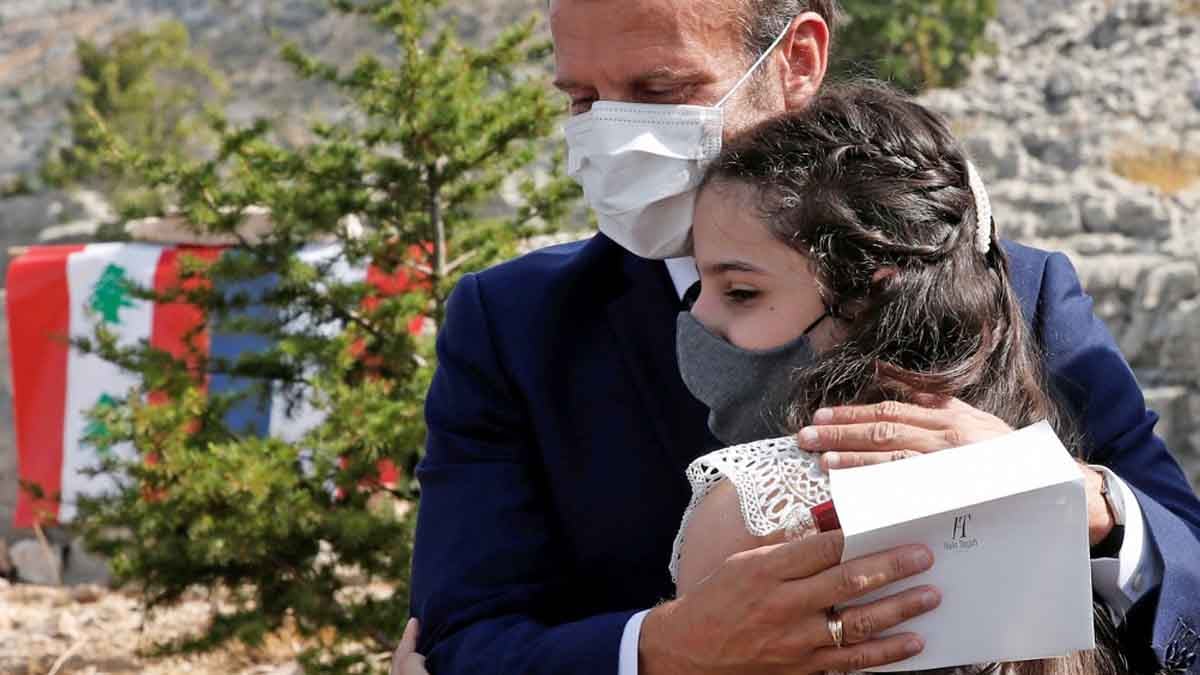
(559, 431)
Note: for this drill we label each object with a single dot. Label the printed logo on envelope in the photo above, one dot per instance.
(960, 540)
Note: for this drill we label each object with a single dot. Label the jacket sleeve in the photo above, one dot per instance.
(488, 557)
(1089, 373)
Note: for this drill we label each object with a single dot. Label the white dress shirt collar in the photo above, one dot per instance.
(683, 273)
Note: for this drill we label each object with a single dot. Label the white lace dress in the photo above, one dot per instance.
(776, 483)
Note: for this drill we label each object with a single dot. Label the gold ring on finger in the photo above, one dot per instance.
(834, 623)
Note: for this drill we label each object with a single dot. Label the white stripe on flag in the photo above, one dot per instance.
(96, 278)
(304, 417)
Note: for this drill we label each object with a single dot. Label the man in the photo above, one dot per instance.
(559, 427)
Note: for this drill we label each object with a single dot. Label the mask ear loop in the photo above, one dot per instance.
(748, 73)
(828, 313)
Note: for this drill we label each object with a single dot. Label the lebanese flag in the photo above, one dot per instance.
(59, 291)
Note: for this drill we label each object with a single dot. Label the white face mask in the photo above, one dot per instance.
(640, 163)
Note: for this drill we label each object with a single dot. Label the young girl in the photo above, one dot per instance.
(846, 256)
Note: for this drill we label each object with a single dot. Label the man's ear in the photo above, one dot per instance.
(805, 59)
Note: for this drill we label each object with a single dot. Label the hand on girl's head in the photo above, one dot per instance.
(859, 435)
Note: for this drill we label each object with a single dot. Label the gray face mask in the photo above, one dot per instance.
(747, 391)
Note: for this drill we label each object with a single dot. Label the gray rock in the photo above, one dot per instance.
(1171, 403)
(1145, 13)
(1054, 218)
(1106, 33)
(1044, 211)
(36, 564)
(1099, 212)
(1193, 446)
(1135, 212)
(1054, 149)
(1168, 285)
(24, 217)
(1021, 16)
(1134, 335)
(84, 567)
(1059, 88)
(1180, 350)
(1143, 215)
(996, 155)
(1103, 244)
(1116, 274)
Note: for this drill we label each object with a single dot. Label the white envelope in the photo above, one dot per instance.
(1006, 520)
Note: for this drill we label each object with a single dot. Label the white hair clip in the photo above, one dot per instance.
(983, 210)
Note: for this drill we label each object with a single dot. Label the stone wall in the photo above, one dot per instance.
(1071, 99)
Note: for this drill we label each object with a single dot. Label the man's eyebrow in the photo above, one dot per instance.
(733, 266)
(565, 84)
(664, 72)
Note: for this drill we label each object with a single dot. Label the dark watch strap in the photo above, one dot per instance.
(1110, 546)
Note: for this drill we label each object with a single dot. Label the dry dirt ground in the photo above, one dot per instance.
(89, 630)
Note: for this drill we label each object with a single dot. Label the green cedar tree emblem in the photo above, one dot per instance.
(111, 294)
(97, 432)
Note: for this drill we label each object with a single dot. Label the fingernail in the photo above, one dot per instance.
(920, 559)
(808, 435)
(823, 416)
(832, 460)
(930, 599)
(913, 646)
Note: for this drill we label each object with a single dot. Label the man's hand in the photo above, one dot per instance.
(857, 435)
(764, 610)
(406, 660)
(851, 436)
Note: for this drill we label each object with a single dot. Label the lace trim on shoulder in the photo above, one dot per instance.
(776, 483)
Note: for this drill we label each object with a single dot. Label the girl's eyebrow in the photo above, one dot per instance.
(733, 266)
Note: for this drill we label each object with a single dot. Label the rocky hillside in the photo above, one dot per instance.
(1086, 123)
(37, 66)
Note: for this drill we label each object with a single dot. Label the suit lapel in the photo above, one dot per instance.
(642, 316)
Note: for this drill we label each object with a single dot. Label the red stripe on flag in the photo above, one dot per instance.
(173, 321)
(39, 320)
(400, 281)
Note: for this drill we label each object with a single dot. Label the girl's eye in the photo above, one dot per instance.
(741, 295)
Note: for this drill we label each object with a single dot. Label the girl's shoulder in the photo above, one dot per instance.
(772, 477)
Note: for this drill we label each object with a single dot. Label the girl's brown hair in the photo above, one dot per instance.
(872, 188)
